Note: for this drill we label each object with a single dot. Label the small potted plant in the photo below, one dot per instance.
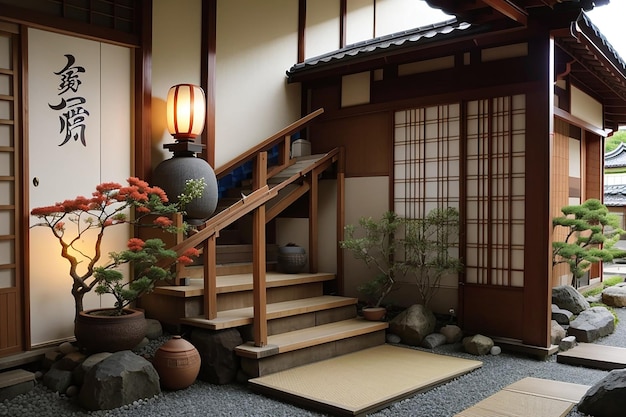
(376, 246)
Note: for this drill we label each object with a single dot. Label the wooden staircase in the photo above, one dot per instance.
(286, 320)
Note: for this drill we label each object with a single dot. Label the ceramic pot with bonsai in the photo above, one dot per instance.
(291, 258)
(99, 330)
(374, 313)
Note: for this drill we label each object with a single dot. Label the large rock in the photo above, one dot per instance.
(219, 363)
(478, 344)
(615, 296)
(568, 298)
(591, 324)
(413, 324)
(561, 315)
(118, 380)
(607, 397)
(557, 333)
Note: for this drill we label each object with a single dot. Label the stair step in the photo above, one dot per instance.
(312, 336)
(243, 316)
(243, 282)
(14, 377)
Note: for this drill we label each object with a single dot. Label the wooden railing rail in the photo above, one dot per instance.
(284, 135)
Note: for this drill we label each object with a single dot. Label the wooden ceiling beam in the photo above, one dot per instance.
(510, 10)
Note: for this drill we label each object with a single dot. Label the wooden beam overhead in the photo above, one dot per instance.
(510, 10)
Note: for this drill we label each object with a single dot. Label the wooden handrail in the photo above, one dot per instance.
(226, 217)
(266, 144)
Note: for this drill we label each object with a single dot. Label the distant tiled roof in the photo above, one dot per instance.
(616, 158)
(384, 44)
(615, 195)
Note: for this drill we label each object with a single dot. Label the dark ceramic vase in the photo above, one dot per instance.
(99, 331)
(291, 259)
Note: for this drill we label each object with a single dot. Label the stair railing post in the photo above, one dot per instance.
(210, 278)
(258, 255)
(177, 219)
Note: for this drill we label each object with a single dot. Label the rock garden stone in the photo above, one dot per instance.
(219, 363)
(557, 333)
(478, 344)
(496, 350)
(80, 371)
(433, 340)
(591, 324)
(568, 298)
(393, 338)
(452, 332)
(413, 324)
(118, 380)
(567, 343)
(607, 397)
(561, 315)
(58, 380)
(154, 329)
(67, 347)
(615, 296)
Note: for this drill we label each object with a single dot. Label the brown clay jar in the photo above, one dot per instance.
(177, 362)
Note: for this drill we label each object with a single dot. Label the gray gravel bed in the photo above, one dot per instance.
(204, 399)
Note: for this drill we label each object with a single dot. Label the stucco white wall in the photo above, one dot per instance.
(256, 43)
(586, 107)
(176, 47)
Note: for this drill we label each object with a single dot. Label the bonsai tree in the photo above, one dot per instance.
(427, 247)
(145, 260)
(590, 234)
(108, 206)
(374, 243)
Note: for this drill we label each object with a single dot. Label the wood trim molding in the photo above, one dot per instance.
(207, 76)
(143, 95)
(563, 115)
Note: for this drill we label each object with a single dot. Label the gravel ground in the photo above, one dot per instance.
(204, 399)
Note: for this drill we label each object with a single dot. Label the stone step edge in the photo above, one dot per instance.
(312, 336)
(14, 377)
(243, 316)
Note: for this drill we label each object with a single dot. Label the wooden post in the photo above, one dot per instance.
(341, 178)
(210, 278)
(313, 221)
(258, 256)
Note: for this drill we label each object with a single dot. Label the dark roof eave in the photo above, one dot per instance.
(367, 52)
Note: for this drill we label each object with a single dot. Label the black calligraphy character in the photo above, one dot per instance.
(69, 75)
(72, 120)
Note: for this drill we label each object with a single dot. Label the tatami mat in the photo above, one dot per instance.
(364, 381)
(593, 355)
(529, 397)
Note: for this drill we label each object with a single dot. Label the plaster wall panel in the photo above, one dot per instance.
(322, 27)
(586, 107)
(176, 39)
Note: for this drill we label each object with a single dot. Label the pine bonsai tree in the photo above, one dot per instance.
(588, 239)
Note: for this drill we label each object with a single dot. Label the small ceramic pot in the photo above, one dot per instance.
(177, 362)
(374, 313)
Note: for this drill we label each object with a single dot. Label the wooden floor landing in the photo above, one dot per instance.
(592, 355)
(364, 381)
(529, 397)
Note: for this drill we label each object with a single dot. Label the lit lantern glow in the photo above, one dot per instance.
(186, 111)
